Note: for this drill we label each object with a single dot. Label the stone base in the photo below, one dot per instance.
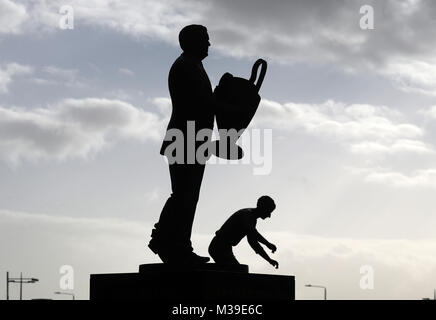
(159, 282)
(165, 267)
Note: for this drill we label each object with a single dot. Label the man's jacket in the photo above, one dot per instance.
(191, 97)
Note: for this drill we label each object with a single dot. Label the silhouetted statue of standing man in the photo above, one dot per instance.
(192, 100)
(243, 223)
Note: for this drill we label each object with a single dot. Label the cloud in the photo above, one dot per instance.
(61, 73)
(8, 72)
(153, 19)
(402, 46)
(126, 71)
(336, 263)
(72, 128)
(12, 16)
(363, 128)
(430, 112)
(153, 195)
(399, 146)
(164, 105)
(52, 75)
(380, 136)
(413, 75)
(419, 178)
(402, 268)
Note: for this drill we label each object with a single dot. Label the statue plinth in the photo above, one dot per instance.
(162, 282)
(166, 267)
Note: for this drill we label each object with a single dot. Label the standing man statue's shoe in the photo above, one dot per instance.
(192, 102)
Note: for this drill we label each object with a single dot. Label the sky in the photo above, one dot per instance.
(350, 162)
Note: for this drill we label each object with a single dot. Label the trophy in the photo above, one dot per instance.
(236, 102)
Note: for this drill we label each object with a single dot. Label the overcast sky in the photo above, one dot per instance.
(352, 113)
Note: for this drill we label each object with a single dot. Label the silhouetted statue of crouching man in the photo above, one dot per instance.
(243, 223)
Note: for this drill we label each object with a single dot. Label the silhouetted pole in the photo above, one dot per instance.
(21, 286)
(19, 280)
(434, 296)
(316, 286)
(7, 285)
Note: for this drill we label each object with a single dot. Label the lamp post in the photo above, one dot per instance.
(316, 286)
(434, 296)
(66, 293)
(19, 280)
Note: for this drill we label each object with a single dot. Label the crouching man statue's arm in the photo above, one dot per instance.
(253, 240)
(262, 240)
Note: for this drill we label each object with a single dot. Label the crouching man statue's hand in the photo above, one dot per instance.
(274, 263)
(272, 247)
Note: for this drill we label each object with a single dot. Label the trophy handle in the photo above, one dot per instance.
(259, 62)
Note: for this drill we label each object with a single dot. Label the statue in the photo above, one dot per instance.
(192, 101)
(243, 224)
(194, 106)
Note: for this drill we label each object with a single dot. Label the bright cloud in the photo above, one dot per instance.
(366, 129)
(413, 75)
(431, 112)
(72, 128)
(399, 146)
(12, 16)
(419, 178)
(8, 72)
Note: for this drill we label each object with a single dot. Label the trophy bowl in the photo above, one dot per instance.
(236, 102)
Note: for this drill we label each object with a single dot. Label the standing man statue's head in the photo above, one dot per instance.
(194, 41)
(265, 205)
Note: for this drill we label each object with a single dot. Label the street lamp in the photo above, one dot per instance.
(19, 280)
(66, 293)
(316, 286)
(434, 297)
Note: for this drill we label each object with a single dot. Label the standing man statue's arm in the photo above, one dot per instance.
(181, 82)
(253, 240)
